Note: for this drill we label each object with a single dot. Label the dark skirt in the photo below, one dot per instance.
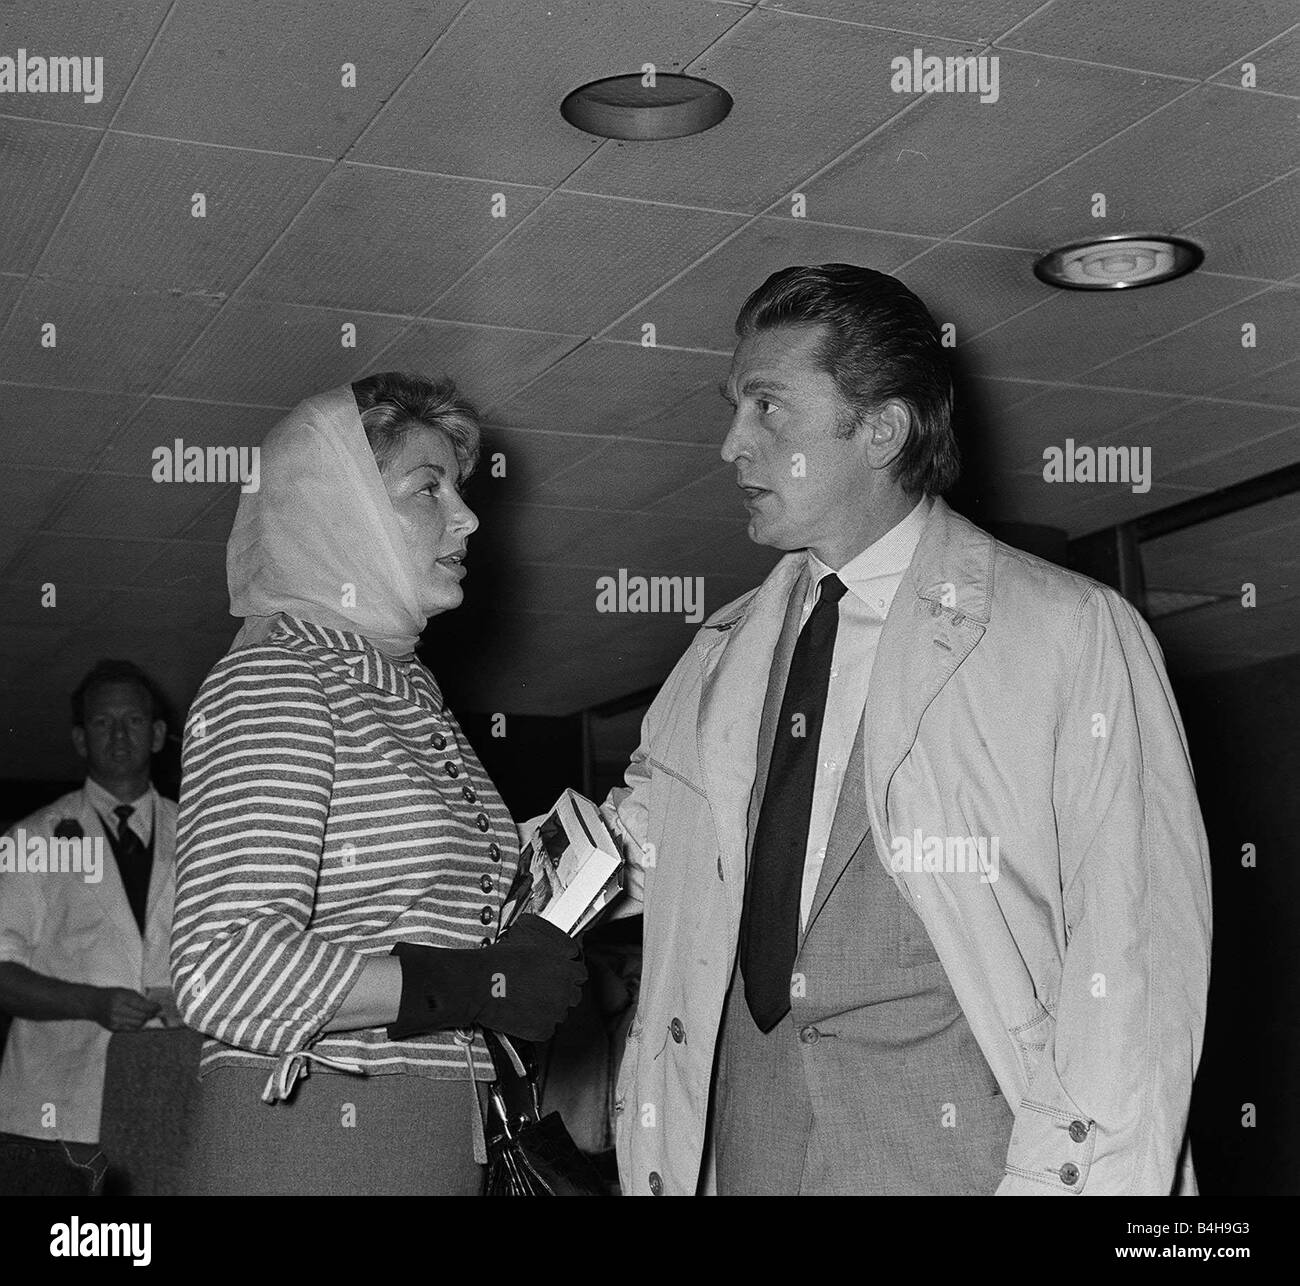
(338, 1135)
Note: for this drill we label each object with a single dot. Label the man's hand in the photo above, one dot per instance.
(117, 1009)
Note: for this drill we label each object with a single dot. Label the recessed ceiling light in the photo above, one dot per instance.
(1118, 263)
(671, 106)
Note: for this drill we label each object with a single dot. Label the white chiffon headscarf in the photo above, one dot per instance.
(319, 538)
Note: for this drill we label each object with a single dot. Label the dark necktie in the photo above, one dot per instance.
(134, 862)
(769, 923)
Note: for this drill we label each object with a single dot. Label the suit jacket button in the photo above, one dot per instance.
(809, 1035)
(656, 1184)
(1078, 1131)
(1069, 1174)
(677, 1030)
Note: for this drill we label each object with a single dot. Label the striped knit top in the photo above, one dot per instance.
(330, 807)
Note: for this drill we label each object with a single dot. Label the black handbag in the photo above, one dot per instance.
(528, 1154)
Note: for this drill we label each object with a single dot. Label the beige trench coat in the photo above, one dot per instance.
(1009, 699)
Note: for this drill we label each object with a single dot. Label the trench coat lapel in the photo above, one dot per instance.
(778, 672)
(938, 615)
(735, 652)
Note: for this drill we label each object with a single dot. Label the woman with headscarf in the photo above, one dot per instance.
(342, 856)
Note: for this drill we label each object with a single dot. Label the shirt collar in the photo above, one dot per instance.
(104, 802)
(364, 661)
(885, 559)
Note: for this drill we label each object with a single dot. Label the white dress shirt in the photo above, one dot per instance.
(104, 802)
(871, 579)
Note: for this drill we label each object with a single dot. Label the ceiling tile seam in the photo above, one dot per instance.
(580, 341)
(1145, 72)
(603, 439)
(444, 174)
(1245, 196)
(235, 293)
(1163, 107)
(1074, 160)
(1178, 330)
(166, 376)
(1284, 282)
(277, 153)
(49, 533)
(652, 202)
(1218, 455)
(528, 383)
(988, 330)
(603, 445)
(90, 162)
(507, 235)
(66, 388)
(1246, 403)
(46, 123)
(1129, 427)
(1234, 62)
(664, 348)
(222, 402)
(397, 89)
(936, 34)
(720, 245)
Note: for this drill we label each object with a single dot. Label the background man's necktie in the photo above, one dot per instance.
(769, 924)
(134, 862)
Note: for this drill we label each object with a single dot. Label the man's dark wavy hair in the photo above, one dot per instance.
(880, 342)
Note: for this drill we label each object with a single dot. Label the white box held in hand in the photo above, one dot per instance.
(570, 869)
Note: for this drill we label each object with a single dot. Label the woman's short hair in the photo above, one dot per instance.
(880, 343)
(393, 402)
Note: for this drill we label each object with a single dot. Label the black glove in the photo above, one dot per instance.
(522, 985)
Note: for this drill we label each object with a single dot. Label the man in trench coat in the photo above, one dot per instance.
(960, 817)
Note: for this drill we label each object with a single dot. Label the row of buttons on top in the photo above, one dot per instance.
(470, 796)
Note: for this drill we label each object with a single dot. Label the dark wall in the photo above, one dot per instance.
(1242, 729)
(533, 762)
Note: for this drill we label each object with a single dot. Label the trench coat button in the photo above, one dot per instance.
(677, 1030)
(450, 769)
(656, 1184)
(1078, 1131)
(486, 915)
(482, 822)
(494, 851)
(486, 883)
(439, 741)
(1069, 1174)
(809, 1035)
(469, 795)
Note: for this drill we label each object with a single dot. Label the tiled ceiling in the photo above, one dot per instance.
(443, 209)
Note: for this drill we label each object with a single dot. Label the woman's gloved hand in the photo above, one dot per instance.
(522, 985)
